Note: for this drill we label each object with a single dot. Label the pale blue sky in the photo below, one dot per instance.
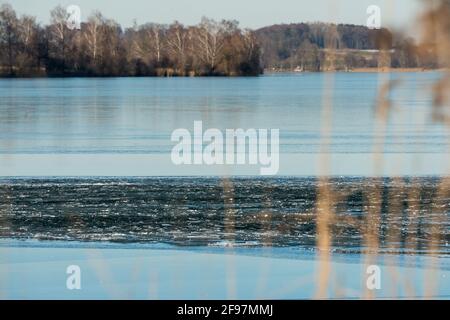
(250, 13)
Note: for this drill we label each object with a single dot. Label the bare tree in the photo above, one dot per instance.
(92, 34)
(211, 36)
(28, 55)
(8, 34)
(149, 42)
(155, 34)
(59, 32)
(250, 43)
(177, 43)
(103, 48)
(27, 30)
(112, 49)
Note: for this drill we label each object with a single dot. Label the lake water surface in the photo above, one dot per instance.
(45, 119)
(83, 160)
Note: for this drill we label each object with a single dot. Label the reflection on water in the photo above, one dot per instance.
(137, 115)
(247, 212)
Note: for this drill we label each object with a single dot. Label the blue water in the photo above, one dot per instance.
(137, 115)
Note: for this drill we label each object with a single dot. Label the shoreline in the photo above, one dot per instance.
(361, 70)
(393, 70)
(225, 76)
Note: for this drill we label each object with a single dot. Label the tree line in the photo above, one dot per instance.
(324, 46)
(101, 47)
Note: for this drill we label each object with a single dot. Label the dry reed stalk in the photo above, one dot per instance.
(436, 29)
(324, 201)
(230, 228)
(374, 191)
(266, 225)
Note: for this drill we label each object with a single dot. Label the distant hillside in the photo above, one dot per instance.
(305, 46)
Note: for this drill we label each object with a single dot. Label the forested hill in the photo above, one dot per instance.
(303, 46)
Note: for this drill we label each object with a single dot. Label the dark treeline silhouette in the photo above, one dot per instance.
(101, 47)
(305, 46)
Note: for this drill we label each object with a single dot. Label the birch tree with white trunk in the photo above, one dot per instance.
(92, 34)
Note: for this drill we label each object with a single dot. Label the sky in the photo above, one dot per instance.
(250, 13)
